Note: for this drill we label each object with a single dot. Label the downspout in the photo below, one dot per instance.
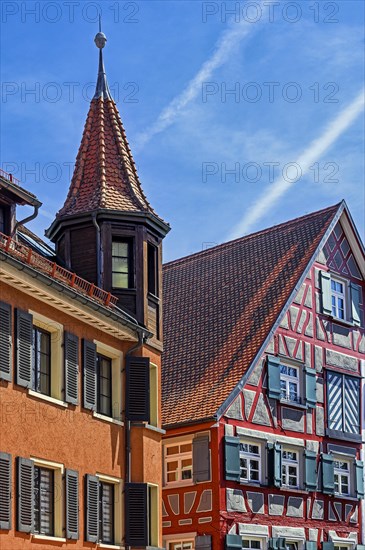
(26, 220)
(99, 253)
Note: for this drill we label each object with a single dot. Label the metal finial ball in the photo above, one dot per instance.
(100, 40)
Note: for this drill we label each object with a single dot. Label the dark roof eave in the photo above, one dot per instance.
(22, 194)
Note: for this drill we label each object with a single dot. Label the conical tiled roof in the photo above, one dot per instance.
(105, 175)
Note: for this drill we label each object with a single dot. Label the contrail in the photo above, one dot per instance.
(310, 155)
(229, 39)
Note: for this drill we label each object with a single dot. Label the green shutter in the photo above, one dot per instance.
(328, 545)
(233, 542)
(136, 514)
(310, 388)
(359, 471)
(5, 491)
(232, 458)
(6, 356)
(325, 279)
(89, 375)
(24, 348)
(25, 486)
(72, 504)
(277, 543)
(71, 368)
(92, 508)
(310, 480)
(355, 292)
(273, 377)
(328, 474)
(274, 464)
(310, 545)
(360, 547)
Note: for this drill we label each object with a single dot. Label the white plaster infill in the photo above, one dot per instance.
(253, 530)
(271, 438)
(297, 533)
(350, 540)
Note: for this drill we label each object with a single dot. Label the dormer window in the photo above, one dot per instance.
(122, 264)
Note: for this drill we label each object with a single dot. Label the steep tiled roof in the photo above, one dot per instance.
(219, 307)
(105, 175)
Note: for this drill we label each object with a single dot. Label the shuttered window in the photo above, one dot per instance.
(343, 397)
(106, 513)
(72, 504)
(136, 533)
(335, 293)
(359, 474)
(178, 462)
(138, 388)
(273, 377)
(201, 459)
(25, 495)
(24, 348)
(43, 501)
(274, 464)
(5, 491)
(41, 361)
(92, 508)
(104, 385)
(6, 362)
(71, 344)
(310, 470)
(89, 375)
(232, 458)
(328, 474)
(233, 542)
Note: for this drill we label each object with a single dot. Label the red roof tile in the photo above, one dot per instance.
(219, 307)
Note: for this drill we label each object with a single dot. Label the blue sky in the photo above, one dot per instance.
(214, 164)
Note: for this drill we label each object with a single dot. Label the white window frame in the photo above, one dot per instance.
(339, 295)
(288, 379)
(251, 456)
(169, 540)
(116, 358)
(346, 473)
(252, 539)
(118, 509)
(287, 463)
(179, 458)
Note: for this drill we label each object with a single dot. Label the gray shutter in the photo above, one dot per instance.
(89, 375)
(25, 486)
(310, 480)
(232, 458)
(92, 508)
(310, 388)
(72, 504)
(6, 358)
(325, 280)
(24, 348)
(355, 293)
(71, 368)
(277, 543)
(5, 491)
(138, 388)
(201, 459)
(359, 471)
(203, 542)
(136, 514)
(351, 404)
(328, 474)
(273, 377)
(274, 464)
(328, 545)
(310, 545)
(334, 401)
(233, 542)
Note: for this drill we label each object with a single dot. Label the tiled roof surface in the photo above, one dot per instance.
(220, 305)
(105, 174)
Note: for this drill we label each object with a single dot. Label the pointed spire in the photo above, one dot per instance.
(102, 88)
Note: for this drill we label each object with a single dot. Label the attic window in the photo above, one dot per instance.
(121, 264)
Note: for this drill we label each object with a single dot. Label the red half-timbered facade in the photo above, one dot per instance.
(262, 390)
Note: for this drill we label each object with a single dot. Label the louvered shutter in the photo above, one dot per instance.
(25, 486)
(310, 545)
(136, 514)
(351, 404)
(328, 545)
(355, 293)
(6, 358)
(138, 388)
(277, 543)
(233, 542)
(310, 388)
(24, 348)
(232, 458)
(335, 401)
(310, 481)
(203, 542)
(273, 377)
(274, 464)
(325, 279)
(72, 504)
(89, 375)
(328, 474)
(92, 508)
(71, 368)
(359, 472)
(201, 459)
(5, 491)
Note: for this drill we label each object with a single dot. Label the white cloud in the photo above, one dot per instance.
(310, 155)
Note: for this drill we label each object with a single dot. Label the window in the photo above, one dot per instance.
(121, 264)
(106, 513)
(343, 402)
(338, 298)
(104, 371)
(179, 462)
(291, 545)
(43, 501)
(289, 383)
(290, 468)
(41, 362)
(181, 545)
(152, 266)
(250, 463)
(251, 543)
(342, 477)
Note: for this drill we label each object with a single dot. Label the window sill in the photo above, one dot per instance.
(251, 483)
(108, 419)
(48, 537)
(113, 546)
(293, 490)
(343, 322)
(149, 427)
(345, 497)
(47, 398)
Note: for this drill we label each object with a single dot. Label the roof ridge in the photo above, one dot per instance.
(250, 235)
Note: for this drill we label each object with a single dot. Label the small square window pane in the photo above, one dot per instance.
(120, 280)
(120, 249)
(255, 544)
(172, 476)
(172, 466)
(172, 450)
(245, 544)
(120, 265)
(186, 474)
(186, 448)
(283, 369)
